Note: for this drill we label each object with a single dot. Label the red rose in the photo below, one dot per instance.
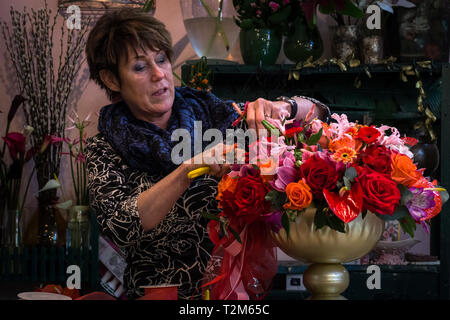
(319, 174)
(247, 203)
(368, 134)
(381, 194)
(378, 158)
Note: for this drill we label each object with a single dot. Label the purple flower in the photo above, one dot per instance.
(286, 174)
(258, 13)
(273, 221)
(248, 170)
(286, 1)
(420, 201)
(275, 6)
(253, 4)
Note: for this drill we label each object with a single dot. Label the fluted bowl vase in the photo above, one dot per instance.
(326, 249)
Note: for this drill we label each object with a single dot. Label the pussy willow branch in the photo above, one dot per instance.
(30, 46)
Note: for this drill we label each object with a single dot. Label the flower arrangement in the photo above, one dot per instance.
(77, 158)
(45, 84)
(200, 76)
(343, 169)
(265, 14)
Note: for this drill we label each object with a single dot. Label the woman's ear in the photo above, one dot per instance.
(109, 80)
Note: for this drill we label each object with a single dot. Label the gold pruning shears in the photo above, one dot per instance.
(198, 172)
(204, 170)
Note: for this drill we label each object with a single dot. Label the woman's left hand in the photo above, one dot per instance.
(261, 109)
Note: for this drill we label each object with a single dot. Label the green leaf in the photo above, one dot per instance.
(285, 223)
(401, 212)
(349, 10)
(325, 217)
(210, 216)
(408, 225)
(301, 137)
(350, 173)
(444, 195)
(335, 223)
(347, 183)
(405, 193)
(298, 154)
(320, 219)
(313, 139)
(352, 10)
(235, 234)
(276, 198)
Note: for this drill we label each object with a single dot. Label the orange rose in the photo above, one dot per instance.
(226, 183)
(404, 171)
(299, 195)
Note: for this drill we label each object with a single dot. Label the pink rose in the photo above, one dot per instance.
(275, 6)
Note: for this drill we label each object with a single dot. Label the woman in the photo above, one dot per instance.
(144, 202)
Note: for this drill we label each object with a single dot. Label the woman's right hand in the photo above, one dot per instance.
(214, 158)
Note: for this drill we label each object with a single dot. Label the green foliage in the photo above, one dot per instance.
(408, 225)
(314, 139)
(325, 217)
(271, 14)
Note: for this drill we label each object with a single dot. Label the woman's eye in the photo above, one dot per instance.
(139, 67)
(161, 58)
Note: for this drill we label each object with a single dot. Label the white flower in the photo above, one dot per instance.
(388, 4)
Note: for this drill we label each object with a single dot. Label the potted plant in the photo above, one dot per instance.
(262, 24)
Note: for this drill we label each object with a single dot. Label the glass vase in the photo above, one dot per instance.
(210, 26)
(78, 228)
(260, 46)
(12, 230)
(372, 49)
(48, 231)
(303, 42)
(345, 42)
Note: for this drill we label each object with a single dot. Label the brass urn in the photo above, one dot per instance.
(326, 249)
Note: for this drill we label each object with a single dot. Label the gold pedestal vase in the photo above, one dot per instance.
(326, 249)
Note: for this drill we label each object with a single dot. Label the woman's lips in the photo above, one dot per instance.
(160, 92)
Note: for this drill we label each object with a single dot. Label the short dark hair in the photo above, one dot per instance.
(118, 30)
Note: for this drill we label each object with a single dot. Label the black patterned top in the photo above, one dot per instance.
(177, 250)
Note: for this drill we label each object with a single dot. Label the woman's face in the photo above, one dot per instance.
(146, 85)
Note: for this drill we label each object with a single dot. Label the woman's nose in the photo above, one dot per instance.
(157, 73)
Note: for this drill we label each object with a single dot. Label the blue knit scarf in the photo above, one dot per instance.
(145, 146)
